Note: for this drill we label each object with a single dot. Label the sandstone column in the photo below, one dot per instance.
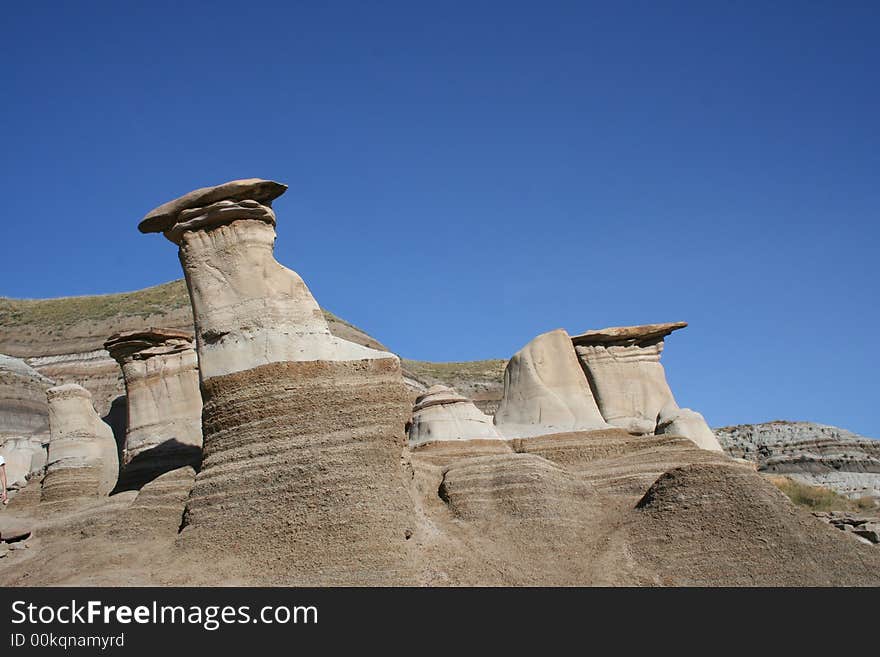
(164, 432)
(82, 461)
(545, 391)
(303, 431)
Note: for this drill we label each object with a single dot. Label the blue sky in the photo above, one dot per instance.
(466, 175)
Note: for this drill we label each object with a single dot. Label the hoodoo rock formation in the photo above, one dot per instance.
(248, 309)
(590, 473)
(302, 430)
(545, 391)
(82, 461)
(623, 368)
(622, 365)
(161, 374)
(442, 414)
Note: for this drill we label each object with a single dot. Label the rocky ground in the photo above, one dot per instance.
(601, 508)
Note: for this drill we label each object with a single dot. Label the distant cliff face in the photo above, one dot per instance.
(815, 454)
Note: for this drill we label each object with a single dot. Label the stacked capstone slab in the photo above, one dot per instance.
(622, 365)
(161, 373)
(82, 461)
(303, 431)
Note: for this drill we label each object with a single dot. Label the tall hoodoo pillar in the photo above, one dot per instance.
(303, 431)
(161, 373)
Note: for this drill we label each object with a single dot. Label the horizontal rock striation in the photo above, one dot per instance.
(24, 420)
(623, 368)
(23, 407)
(302, 459)
(814, 454)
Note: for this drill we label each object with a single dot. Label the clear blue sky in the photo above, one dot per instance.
(466, 175)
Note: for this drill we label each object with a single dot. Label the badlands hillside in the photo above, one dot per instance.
(229, 431)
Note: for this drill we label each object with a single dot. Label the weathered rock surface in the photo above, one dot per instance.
(25, 457)
(690, 424)
(623, 368)
(164, 402)
(442, 414)
(24, 420)
(865, 527)
(546, 391)
(82, 460)
(23, 408)
(726, 525)
(302, 466)
(815, 454)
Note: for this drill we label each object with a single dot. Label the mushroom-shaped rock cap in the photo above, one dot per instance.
(68, 390)
(438, 394)
(127, 342)
(253, 189)
(627, 334)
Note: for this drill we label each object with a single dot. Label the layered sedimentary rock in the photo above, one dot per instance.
(25, 456)
(726, 525)
(815, 454)
(24, 419)
(23, 408)
(164, 403)
(623, 368)
(545, 391)
(303, 431)
(82, 460)
(442, 414)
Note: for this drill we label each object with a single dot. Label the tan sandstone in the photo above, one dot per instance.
(442, 414)
(82, 461)
(164, 402)
(546, 391)
(303, 431)
(623, 367)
